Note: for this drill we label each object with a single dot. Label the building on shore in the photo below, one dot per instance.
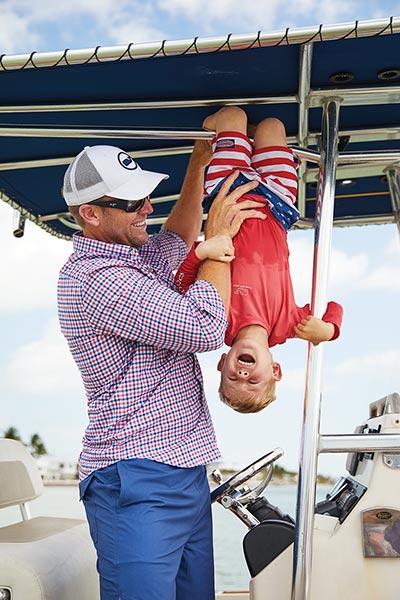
(54, 469)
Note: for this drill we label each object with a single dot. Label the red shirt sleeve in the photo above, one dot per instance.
(187, 272)
(334, 315)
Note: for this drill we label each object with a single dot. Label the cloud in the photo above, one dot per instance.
(30, 273)
(349, 270)
(45, 25)
(43, 367)
(224, 16)
(392, 247)
(136, 31)
(293, 379)
(383, 272)
(379, 364)
(346, 270)
(326, 12)
(15, 27)
(386, 277)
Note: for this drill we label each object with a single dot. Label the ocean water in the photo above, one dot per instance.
(230, 568)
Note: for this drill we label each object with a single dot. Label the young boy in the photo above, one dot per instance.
(263, 312)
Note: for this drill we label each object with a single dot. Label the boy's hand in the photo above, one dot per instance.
(226, 215)
(314, 330)
(219, 247)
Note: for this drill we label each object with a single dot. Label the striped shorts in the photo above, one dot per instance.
(274, 167)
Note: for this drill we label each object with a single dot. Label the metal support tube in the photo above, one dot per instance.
(304, 90)
(240, 511)
(25, 514)
(359, 96)
(54, 162)
(312, 399)
(140, 134)
(348, 158)
(350, 96)
(390, 442)
(142, 105)
(393, 176)
(63, 58)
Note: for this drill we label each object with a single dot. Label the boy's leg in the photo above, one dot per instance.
(269, 132)
(231, 147)
(273, 160)
(229, 118)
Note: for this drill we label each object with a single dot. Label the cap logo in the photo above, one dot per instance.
(126, 161)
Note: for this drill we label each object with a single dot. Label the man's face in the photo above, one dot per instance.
(119, 227)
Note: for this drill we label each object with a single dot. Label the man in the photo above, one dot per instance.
(134, 339)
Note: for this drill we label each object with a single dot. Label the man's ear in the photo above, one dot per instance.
(221, 362)
(90, 214)
(276, 371)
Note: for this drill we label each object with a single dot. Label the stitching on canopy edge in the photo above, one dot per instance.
(31, 217)
(133, 51)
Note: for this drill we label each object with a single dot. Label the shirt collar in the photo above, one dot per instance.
(84, 245)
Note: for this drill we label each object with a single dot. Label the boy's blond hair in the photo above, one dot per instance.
(253, 403)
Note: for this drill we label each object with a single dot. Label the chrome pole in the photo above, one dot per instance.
(393, 176)
(133, 51)
(302, 559)
(359, 442)
(144, 105)
(304, 90)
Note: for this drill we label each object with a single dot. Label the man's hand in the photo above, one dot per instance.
(226, 215)
(202, 153)
(219, 248)
(314, 330)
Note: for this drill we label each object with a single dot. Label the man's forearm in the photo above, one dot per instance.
(219, 274)
(187, 214)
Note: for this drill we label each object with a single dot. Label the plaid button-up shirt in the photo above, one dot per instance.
(134, 339)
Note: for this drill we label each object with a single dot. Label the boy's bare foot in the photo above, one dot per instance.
(227, 118)
(210, 122)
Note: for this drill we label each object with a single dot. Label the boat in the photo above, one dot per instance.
(337, 89)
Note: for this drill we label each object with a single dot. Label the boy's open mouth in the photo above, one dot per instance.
(246, 360)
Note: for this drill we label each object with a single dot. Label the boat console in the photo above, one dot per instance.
(356, 529)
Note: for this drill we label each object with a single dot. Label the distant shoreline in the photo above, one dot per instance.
(60, 482)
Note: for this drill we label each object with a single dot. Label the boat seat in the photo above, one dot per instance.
(263, 543)
(43, 558)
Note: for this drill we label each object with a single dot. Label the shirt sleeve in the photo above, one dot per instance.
(334, 315)
(164, 251)
(135, 305)
(187, 272)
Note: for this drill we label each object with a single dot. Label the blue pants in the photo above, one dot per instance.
(151, 526)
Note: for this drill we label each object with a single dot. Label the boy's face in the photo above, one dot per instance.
(247, 369)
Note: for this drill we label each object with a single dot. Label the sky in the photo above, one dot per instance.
(40, 388)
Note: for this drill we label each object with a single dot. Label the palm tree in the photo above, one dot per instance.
(12, 434)
(37, 446)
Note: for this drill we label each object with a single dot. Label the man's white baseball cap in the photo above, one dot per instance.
(107, 171)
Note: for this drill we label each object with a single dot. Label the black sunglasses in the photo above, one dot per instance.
(128, 206)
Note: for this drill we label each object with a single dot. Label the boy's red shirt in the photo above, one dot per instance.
(262, 291)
